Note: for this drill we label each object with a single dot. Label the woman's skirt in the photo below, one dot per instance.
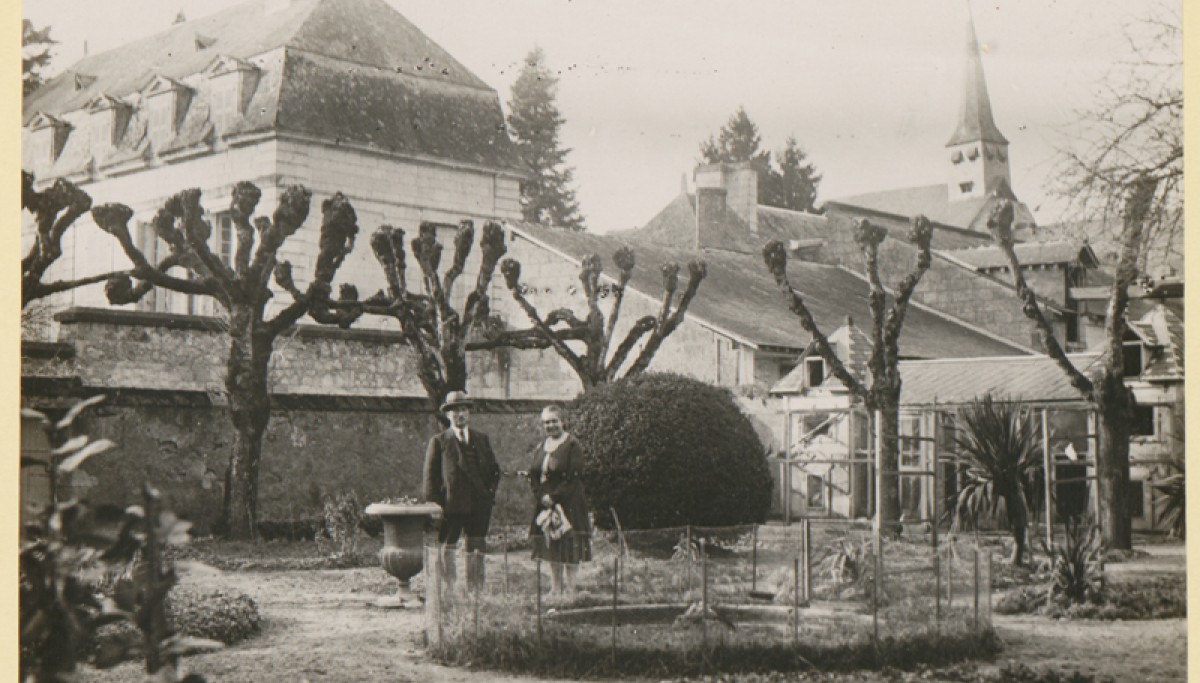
(572, 548)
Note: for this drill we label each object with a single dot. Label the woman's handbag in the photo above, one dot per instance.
(554, 523)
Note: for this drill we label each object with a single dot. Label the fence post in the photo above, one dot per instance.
(807, 561)
(796, 601)
(441, 603)
(1047, 477)
(949, 573)
(703, 594)
(989, 589)
(754, 561)
(689, 557)
(616, 567)
(976, 610)
(505, 561)
(539, 598)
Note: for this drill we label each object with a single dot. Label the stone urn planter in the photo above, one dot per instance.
(404, 527)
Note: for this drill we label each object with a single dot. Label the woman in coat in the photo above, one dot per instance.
(556, 478)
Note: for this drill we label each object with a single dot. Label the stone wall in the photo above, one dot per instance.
(125, 349)
(307, 453)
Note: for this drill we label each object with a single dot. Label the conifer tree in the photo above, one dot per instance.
(35, 55)
(785, 181)
(534, 120)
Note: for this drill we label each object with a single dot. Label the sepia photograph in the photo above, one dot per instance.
(689, 341)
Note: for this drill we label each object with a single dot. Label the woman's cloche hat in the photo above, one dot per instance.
(456, 398)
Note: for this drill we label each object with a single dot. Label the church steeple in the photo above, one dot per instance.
(978, 152)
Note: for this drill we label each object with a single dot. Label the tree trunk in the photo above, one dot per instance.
(889, 493)
(1112, 463)
(250, 411)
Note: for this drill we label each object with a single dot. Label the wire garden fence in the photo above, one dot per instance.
(695, 587)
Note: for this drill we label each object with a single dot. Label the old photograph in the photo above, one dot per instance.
(372, 340)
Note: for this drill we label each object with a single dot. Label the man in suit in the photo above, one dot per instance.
(461, 475)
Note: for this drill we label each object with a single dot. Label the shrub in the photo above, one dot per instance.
(1077, 576)
(229, 616)
(667, 450)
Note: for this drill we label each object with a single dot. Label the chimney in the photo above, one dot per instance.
(741, 191)
(738, 186)
(710, 212)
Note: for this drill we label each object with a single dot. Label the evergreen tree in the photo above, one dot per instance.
(794, 184)
(35, 55)
(786, 182)
(534, 121)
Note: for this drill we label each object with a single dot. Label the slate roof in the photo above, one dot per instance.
(1013, 378)
(739, 296)
(675, 226)
(353, 71)
(933, 201)
(1028, 253)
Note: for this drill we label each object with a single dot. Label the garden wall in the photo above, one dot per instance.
(315, 445)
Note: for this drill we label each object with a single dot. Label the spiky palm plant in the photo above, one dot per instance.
(999, 454)
(1171, 504)
(1077, 576)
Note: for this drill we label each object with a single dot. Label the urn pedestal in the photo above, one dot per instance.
(404, 527)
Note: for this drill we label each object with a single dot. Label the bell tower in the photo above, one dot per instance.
(977, 153)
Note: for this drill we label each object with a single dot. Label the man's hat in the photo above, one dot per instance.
(456, 398)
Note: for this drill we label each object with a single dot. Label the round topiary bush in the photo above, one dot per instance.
(229, 616)
(667, 450)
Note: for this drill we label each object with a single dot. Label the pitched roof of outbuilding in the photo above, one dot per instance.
(1013, 378)
(739, 296)
(353, 71)
(1028, 254)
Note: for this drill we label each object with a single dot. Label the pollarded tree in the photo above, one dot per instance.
(243, 289)
(595, 366)
(1108, 394)
(534, 120)
(881, 395)
(428, 320)
(55, 210)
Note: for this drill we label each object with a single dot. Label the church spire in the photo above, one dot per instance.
(978, 151)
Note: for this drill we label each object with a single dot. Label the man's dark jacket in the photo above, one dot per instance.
(461, 478)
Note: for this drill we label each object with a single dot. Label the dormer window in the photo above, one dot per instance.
(231, 84)
(1133, 351)
(166, 101)
(107, 117)
(204, 42)
(82, 81)
(48, 136)
(814, 371)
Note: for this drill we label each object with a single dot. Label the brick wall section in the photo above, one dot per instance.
(946, 286)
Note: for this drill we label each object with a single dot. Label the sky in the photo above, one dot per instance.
(869, 89)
